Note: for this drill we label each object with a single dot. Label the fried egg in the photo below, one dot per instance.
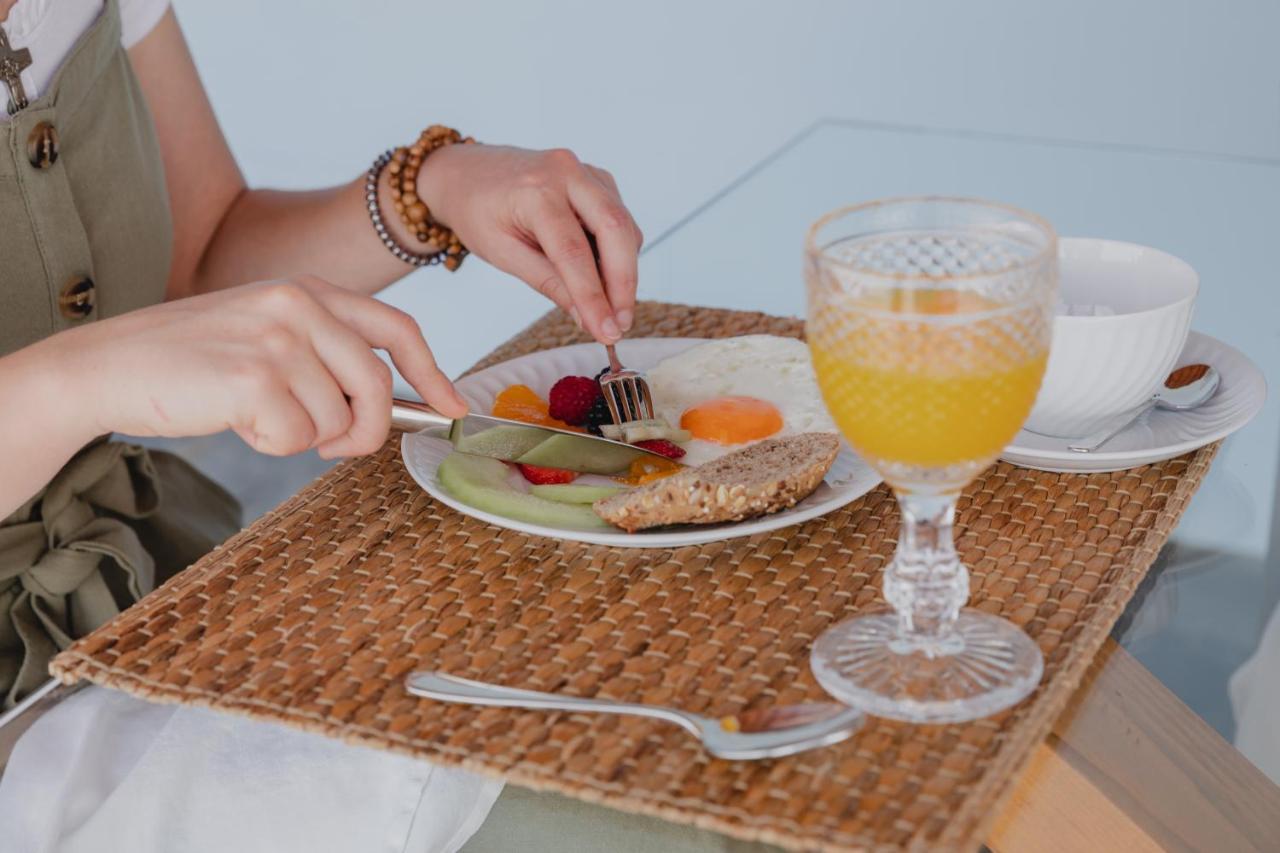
(732, 392)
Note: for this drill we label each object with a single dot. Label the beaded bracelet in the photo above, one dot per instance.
(375, 216)
(404, 166)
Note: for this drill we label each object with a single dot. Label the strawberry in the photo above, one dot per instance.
(540, 476)
(663, 447)
(572, 397)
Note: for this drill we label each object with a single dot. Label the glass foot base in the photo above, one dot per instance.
(988, 665)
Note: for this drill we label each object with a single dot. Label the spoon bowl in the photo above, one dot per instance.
(1188, 387)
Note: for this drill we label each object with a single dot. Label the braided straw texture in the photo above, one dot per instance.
(314, 615)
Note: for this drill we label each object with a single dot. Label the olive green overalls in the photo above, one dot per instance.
(85, 234)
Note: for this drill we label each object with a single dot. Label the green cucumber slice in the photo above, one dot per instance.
(569, 451)
(502, 442)
(574, 493)
(481, 482)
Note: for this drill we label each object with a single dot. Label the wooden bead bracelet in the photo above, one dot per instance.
(403, 164)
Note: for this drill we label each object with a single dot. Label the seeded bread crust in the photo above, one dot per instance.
(759, 479)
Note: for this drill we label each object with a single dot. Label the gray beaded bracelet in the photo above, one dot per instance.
(375, 216)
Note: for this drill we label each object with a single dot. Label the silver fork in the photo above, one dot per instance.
(625, 392)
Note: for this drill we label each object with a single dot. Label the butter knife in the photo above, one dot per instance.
(516, 441)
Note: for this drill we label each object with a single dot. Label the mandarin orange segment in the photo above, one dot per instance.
(522, 403)
(646, 470)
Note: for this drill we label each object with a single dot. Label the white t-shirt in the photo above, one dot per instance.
(50, 28)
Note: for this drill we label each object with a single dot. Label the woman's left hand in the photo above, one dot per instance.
(529, 213)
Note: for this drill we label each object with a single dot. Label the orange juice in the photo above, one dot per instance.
(928, 378)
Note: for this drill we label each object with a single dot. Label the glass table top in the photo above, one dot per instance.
(1203, 609)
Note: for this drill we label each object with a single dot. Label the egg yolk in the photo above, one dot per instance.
(732, 420)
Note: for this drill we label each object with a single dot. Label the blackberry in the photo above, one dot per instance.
(597, 415)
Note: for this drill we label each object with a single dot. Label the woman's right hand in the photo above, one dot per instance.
(288, 365)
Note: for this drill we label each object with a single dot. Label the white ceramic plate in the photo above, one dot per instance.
(848, 479)
(1161, 434)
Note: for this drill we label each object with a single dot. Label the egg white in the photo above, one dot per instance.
(767, 367)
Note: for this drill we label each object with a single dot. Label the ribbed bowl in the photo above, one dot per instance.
(1101, 367)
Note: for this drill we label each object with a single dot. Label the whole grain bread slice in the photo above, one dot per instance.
(758, 479)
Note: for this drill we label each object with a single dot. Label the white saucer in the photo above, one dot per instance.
(1160, 434)
(848, 479)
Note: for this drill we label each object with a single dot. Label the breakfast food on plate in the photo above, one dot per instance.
(647, 470)
(522, 403)
(485, 484)
(662, 446)
(727, 393)
(543, 476)
(574, 493)
(598, 417)
(572, 398)
(651, 429)
(756, 480)
(745, 412)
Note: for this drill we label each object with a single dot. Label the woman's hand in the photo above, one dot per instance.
(529, 213)
(288, 365)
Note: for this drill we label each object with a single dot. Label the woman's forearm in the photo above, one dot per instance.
(269, 234)
(41, 425)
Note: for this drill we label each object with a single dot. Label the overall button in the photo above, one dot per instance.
(76, 299)
(42, 145)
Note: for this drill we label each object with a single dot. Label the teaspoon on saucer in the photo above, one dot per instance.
(762, 733)
(1186, 388)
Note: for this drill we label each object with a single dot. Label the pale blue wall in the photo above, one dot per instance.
(677, 98)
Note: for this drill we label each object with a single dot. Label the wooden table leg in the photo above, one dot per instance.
(1129, 767)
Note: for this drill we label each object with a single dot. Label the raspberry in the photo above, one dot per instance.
(572, 397)
(540, 476)
(663, 447)
(598, 415)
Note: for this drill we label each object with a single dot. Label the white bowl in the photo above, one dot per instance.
(1103, 366)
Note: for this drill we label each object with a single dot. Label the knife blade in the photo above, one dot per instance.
(516, 441)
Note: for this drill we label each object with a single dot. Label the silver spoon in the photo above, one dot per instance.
(762, 733)
(1186, 388)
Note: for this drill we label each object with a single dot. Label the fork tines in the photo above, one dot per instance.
(627, 396)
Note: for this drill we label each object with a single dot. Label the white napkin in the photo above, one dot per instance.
(106, 772)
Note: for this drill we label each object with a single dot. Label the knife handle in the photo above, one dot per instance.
(412, 416)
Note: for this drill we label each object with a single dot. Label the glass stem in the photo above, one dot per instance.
(926, 583)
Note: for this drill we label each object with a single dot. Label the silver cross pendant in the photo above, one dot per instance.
(11, 64)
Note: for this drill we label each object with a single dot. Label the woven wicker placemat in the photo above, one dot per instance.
(314, 615)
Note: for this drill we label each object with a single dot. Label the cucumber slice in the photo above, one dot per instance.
(574, 493)
(569, 451)
(502, 442)
(481, 482)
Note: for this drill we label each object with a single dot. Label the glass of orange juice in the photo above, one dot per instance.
(929, 322)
